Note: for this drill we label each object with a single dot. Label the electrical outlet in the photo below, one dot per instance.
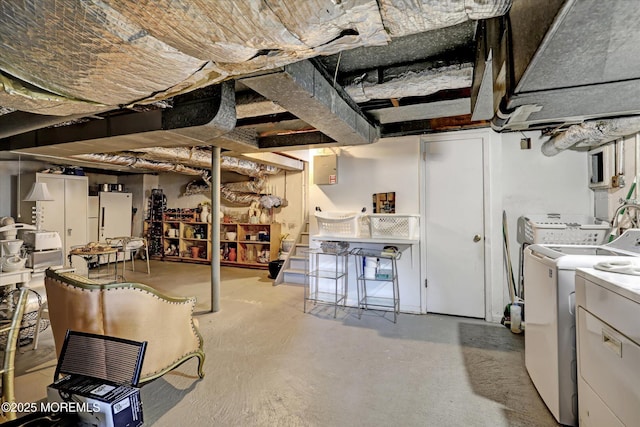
(525, 143)
(615, 181)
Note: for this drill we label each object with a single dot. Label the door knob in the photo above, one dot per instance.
(477, 238)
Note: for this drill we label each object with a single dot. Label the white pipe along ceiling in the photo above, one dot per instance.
(590, 134)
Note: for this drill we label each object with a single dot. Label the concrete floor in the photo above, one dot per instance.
(270, 364)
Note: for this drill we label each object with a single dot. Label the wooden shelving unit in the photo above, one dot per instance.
(185, 237)
(254, 244)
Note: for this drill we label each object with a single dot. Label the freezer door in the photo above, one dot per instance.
(115, 215)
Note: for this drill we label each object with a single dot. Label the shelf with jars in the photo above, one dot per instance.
(249, 245)
(185, 237)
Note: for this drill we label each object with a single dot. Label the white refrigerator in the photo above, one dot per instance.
(114, 215)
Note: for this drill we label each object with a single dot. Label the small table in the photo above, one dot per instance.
(19, 277)
(372, 279)
(88, 254)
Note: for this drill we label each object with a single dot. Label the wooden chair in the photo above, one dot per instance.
(11, 329)
(131, 245)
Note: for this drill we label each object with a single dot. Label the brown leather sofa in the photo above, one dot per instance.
(127, 310)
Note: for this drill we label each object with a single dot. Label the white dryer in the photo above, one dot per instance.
(608, 329)
(550, 335)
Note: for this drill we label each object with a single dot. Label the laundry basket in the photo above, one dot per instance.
(338, 224)
(561, 229)
(398, 226)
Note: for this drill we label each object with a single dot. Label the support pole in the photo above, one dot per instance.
(215, 229)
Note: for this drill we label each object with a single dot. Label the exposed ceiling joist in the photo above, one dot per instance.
(194, 119)
(432, 110)
(443, 124)
(19, 122)
(293, 141)
(250, 104)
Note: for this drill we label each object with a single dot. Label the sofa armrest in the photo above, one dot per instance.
(135, 312)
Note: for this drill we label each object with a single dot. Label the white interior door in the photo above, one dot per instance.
(455, 227)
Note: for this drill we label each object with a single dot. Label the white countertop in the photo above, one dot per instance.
(625, 285)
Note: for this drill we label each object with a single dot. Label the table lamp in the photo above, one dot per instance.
(38, 193)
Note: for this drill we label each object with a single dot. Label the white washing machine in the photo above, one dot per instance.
(550, 335)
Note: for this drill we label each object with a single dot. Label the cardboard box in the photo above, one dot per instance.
(97, 402)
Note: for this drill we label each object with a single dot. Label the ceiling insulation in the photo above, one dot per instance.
(402, 17)
(412, 83)
(189, 161)
(139, 163)
(93, 56)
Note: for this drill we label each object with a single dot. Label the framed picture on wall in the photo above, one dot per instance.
(384, 202)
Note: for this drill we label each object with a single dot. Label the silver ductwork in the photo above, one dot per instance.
(188, 156)
(191, 158)
(591, 134)
(240, 193)
(241, 199)
(138, 163)
(256, 185)
(247, 167)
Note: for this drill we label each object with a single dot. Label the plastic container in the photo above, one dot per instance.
(562, 229)
(287, 244)
(370, 272)
(398, 226)
(339, 224)
(516, 318)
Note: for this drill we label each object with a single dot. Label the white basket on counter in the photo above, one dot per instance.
(337, 224)
(398, 226)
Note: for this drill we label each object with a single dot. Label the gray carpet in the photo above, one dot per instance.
(270, 364)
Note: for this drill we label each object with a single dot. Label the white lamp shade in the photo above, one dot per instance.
(39, 193)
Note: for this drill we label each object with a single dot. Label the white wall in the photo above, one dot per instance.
(630, 169)
(533, 183)
(520, 182)
(9, 171)
(173, 185)
(385, 166)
